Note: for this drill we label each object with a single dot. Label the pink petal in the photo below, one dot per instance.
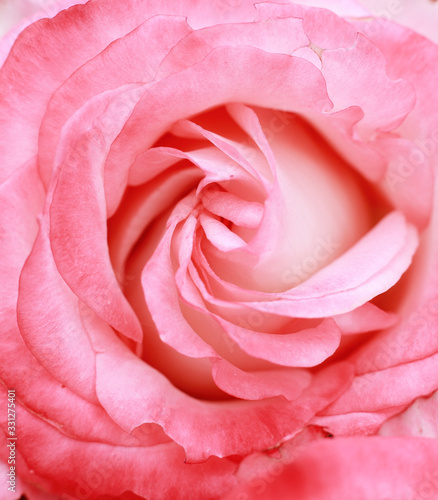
(347, 8)
(162, 300)
(89, 469)
(385, 388)
(257, 385)
(48, 51)
(57, 47)
(141, 206)
(111, 68)
(368, 468)
(169, 100)
(364, 67)
(21, 200)
(369, 268)
(48, 398)
(409, 178)
(418, 316)
(366, 318)
(249, 425)
(79, 205)
(56, 337)
(419, 420)
(216, 166)
(231, 207)
(304, 348)
(411, 167)
(421, 17)
(280, 36)
(219, 235)
(323, 27)
(16, 15)
(361, 423)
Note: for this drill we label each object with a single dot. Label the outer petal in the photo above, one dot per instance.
(344, 8)
(89, 469)
(412, 165)
(57, 47)
(21, 200)
(361, 468)
(56, 337)
(250, 425)
(16, 15)
(420, 16)
(175, 97)
(414, 337)
(417, 378)
(78, 231)
(111, 69)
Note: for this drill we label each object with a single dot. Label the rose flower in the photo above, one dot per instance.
(219, 232)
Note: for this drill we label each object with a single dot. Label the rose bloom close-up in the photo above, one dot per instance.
(219, 250)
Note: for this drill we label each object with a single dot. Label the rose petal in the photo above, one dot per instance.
(417, 378)
(419, 420)
(90, 469)
(362, 423)
(323, 27)
(219, 235)
(259, 384)
(364, 319)
(305, 348)
(421, 17)
(162, 299)
(346, 8)
(48, 51)
(114, 68)
(21, 200)
(56, 337)
(79, 205)
(231, 207)
(142, 205)
(280, 36)
(373, 467)
(249, 425)
(418, 314)
(355, 277)
(364, 66)
(164, 104)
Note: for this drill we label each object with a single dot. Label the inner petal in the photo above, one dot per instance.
(316, 210)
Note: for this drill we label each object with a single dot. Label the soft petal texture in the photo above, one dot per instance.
(368, 468)
(162, 299)
(121, 375)
(365, 319)
(371, 270)
(418, 378)
(260, 384)
(58, 340)
(344, 8)
(19, 228)
(66, 473)
(79, 184)
(420, 16)
(419, 420)
(307, 347)
(16, 15)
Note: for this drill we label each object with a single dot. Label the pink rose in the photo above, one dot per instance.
(219, 249)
